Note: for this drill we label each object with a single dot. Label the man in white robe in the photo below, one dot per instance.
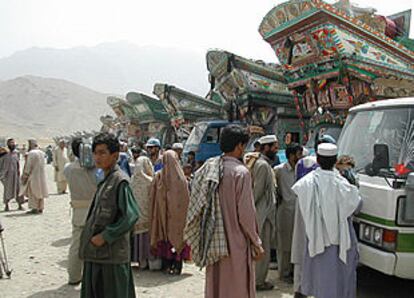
(34, 179)
(326, 202)
(60, 159)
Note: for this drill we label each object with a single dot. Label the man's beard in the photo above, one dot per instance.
(271, 155)
(11, 147)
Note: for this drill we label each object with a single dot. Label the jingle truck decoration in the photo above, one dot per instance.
(340, 57)
(337, 56)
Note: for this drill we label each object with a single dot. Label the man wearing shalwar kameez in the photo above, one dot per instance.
(60, 159)
(10, 176)
(34, 184)
(304, 166)
(82, 186)
(326, 203)
(285, 176)
(264, 191)
(105, 241)
(225, 239)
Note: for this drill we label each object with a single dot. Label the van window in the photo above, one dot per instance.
(392, 126)
(212, 135)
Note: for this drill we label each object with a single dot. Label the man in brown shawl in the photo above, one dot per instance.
(169, 199)
(230, 269)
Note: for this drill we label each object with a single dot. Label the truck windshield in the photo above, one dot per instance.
(197, 134)
(391, 126)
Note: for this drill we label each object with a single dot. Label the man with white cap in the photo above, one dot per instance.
(285, 177)
(304, 166)
(60, 159)
(326, 202)
(264, 190)
(178, 148)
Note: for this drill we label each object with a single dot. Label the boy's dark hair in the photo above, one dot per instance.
(76, 142)
(191, 153)
(231, 136)
(292, 149)
(110, 140)
(167, 147)
(326, 163)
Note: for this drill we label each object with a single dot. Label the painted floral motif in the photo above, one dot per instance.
(326, 41)
(260, 83)
(359, 47)
(301, 50)
(281, 52)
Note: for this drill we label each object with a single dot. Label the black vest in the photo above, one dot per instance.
(103, 212)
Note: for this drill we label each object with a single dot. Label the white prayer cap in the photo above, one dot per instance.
(327, 150)
(305, 152)
(177, 146)
(269, 139)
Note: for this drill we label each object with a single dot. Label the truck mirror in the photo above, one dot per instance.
(381, 158)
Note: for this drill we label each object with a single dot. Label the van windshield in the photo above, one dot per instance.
(391, 126)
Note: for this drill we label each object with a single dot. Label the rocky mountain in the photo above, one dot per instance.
(39, 107)
(116, 67)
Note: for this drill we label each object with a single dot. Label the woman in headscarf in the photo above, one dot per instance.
(169, 198)
(141, 184)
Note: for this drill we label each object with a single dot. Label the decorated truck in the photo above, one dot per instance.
(380, 136)
(255, 93)
(338, 56)
(139, 117)
(185, 108)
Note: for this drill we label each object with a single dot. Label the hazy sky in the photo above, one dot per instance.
(191, 24)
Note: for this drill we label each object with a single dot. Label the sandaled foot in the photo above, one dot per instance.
(33, 211)
(74, 283)
(21, 208)
(266, 286)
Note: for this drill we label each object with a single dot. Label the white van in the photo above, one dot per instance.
(380, 136)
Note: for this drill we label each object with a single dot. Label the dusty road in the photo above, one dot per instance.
(37, 247)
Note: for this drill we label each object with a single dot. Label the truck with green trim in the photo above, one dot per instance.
(380, 137)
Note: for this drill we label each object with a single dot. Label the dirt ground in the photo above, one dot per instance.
(37, 247)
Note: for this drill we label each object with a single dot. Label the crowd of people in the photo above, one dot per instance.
(152, 208)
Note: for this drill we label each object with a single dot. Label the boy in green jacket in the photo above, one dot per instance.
(105, 241)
